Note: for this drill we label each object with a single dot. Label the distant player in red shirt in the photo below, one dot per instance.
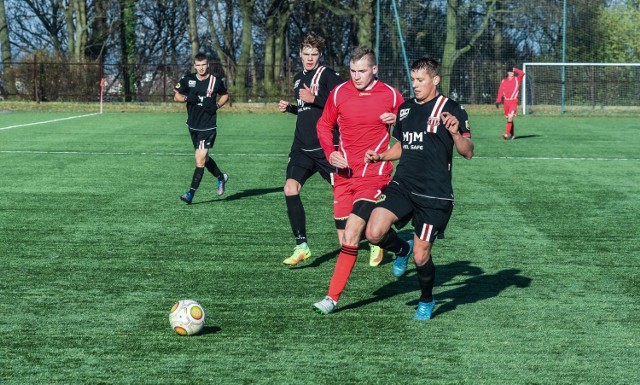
(363, 109)
(508, 95)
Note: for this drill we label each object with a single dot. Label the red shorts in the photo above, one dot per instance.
(510, 107)
(347, 191)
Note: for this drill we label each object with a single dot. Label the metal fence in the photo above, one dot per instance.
(43, 81)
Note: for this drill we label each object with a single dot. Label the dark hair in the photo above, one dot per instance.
(361, 52)
(200, 57)
(313, 40)
(427, 63)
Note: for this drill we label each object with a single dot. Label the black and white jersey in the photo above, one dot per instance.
(427, 146)
(197, 118)
(321, 81)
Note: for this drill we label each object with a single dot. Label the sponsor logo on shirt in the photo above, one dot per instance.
(192, 83)
(364, 94)
(296, 84)
(404, 112)
(409, 138)
(432, 124)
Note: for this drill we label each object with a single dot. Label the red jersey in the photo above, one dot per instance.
(357, 115)
(510, 88)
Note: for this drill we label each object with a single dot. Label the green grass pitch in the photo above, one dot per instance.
(538, 278)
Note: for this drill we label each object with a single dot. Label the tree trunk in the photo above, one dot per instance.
(193, 28)
(276, 24)
(97, 41)
(221, 43)
(127, 43)
(5, 47)
(246, 9)
(364, 19)
(451, 51)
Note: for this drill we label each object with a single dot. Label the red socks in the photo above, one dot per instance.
(510, 130)
(344, 266)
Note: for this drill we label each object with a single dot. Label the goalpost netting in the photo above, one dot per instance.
(581, 87)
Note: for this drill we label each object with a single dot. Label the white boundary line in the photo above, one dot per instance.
(285, 155)
(48, 121)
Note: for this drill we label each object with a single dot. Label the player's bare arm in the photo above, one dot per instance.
(178, 97)
(306, 95)
(336, 159)
(223, 100)
(388, 118)
(464, 145)
(390, 155)
(283, 105)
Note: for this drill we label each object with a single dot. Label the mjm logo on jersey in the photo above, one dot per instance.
(404, 112)
(410, 137)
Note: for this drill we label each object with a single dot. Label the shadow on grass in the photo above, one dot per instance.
(477, 287)
(243, 194)
(210, 330)
(317, 261)
(520, 137)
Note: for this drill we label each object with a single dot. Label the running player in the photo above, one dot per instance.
(311, 89)
(365, 108)
(428, 128)
(508, 95)
(199, 91)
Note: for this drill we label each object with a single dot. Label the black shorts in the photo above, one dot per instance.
(429, 216)
(303, 164)
(203, 139)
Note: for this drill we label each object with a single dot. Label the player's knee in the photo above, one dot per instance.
(374, 233)
(291, 188)
(421, 254)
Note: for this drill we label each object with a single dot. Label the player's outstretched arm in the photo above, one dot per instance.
(390, 155)
(285, 106)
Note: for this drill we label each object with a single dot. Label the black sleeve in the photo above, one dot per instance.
(330, 79)
(397, 129)
(221, 88)
(463, 118)
(292, 108)
(182, 86)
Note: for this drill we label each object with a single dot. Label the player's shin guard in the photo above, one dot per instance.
(212, 167)
(297, 218)
(393, 243)
(195, 180)
(426, 278)
(344, 266)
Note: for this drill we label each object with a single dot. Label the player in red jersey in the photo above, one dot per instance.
(311, 88)
(363, 108)
(428, 128)
(508, 95)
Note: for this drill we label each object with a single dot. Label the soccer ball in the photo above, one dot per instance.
(187, 317)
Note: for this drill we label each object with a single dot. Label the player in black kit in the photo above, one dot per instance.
(199, 91)
(427, 129)
(311, 89)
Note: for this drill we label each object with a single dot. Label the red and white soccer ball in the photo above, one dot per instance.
(187, 317)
